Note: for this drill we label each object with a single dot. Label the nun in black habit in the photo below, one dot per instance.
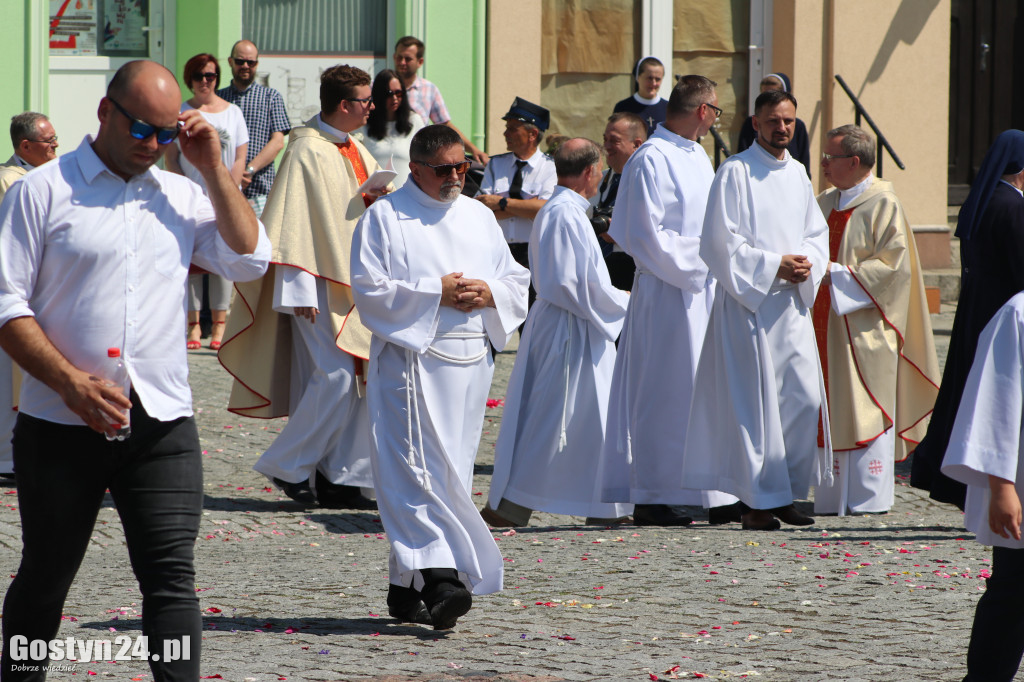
(991, 232)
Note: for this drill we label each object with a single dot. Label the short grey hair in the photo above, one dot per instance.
(689, 93)
(571, 160)
(25, 126)
(856, 142)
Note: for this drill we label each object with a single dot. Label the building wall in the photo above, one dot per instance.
(454, 37)
(204, 26)
(23, 81)
(895, 58)
(513, 61)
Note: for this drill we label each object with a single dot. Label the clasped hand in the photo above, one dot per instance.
(465, 294)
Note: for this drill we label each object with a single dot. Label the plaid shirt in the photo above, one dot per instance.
(425, 99)
(264, 113)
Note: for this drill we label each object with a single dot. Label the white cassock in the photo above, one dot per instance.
(430, 373)
(986, 438)
(754, 431)
(329, 427)
(547, 453)
(657, 220)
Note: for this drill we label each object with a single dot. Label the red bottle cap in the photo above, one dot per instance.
(113, 352)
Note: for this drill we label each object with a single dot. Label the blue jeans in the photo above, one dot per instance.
(155, 478)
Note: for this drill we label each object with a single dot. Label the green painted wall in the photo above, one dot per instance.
(453, 62)
(23, 81)
(204, 26)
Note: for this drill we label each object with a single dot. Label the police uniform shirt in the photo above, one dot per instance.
(539, 182)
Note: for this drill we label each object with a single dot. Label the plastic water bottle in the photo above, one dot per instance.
(117, 375)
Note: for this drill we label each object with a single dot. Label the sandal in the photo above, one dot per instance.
(215, 345)
(190, 344)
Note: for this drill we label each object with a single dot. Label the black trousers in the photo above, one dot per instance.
(155, 478)
(997, 637)
(521, 254)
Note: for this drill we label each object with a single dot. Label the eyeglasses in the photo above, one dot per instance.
(361, 100)
(141, 130)
(245, 62)
(718, 112)
(51, 141)
(208, 77)
(444, 170)
(394, 93)
(828, 157)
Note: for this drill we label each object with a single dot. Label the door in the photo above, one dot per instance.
(89, 41)
(986, 44)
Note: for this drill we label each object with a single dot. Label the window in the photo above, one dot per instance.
(316, 26)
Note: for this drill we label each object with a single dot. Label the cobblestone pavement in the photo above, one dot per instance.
(297, 594)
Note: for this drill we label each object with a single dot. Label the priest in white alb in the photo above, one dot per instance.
(294, 343)
(657, 220)
(873, 330)
(435, 282)
(753, 432)
(552, 429)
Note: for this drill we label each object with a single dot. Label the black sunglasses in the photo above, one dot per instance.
(394, 93)
(245, 62)
(444, 170)
(208, 77)
(141, 130)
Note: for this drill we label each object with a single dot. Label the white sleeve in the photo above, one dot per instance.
(293, 288)
(847, 294)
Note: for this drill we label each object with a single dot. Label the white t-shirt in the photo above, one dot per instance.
(393, 146)
(233, 133)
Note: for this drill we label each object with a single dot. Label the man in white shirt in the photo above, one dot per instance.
(658, 216)
(517, 184)
(548, 451)
(96, 249)
(434, 281)
(873, 330)
(35, 143)
(753, 433)
(295, 344)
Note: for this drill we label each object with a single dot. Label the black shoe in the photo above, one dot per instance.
(300, 492)
(659, 515)
(791, 515)
(334, 496)
(405, 604)
(726, 513)
(445, 597)
(760, 519)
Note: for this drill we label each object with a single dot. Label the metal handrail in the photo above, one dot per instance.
(882, 142)
(720, 146)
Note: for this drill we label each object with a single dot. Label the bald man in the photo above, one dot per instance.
(96, 247)
(265, 117)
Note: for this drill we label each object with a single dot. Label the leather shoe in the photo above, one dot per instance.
(300, 492)
(334, 496)
(445, 597)
(760, 519)
(659, 515)
(726, 513)
(405, 604)
(496, 520)
(791, 515)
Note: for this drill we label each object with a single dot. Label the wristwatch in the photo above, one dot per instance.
(503, 203)
(250, 170)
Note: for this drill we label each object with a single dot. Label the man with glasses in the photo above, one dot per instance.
(753, 433)
(35, 143)
(518, 183)
(658, 216)
(435, 283)
(265, 116)
(96, 249)
(295, 344)
(873, 330)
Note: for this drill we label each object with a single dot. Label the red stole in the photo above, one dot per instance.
(349, 151)
(837, 221)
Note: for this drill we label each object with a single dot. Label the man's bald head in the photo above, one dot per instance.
(140, 91)
(243, 60)
(245, 46)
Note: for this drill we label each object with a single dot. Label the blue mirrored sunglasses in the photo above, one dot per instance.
(141, 130)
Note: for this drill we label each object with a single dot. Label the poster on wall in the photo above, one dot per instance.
(124, 24)
(73, 27)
